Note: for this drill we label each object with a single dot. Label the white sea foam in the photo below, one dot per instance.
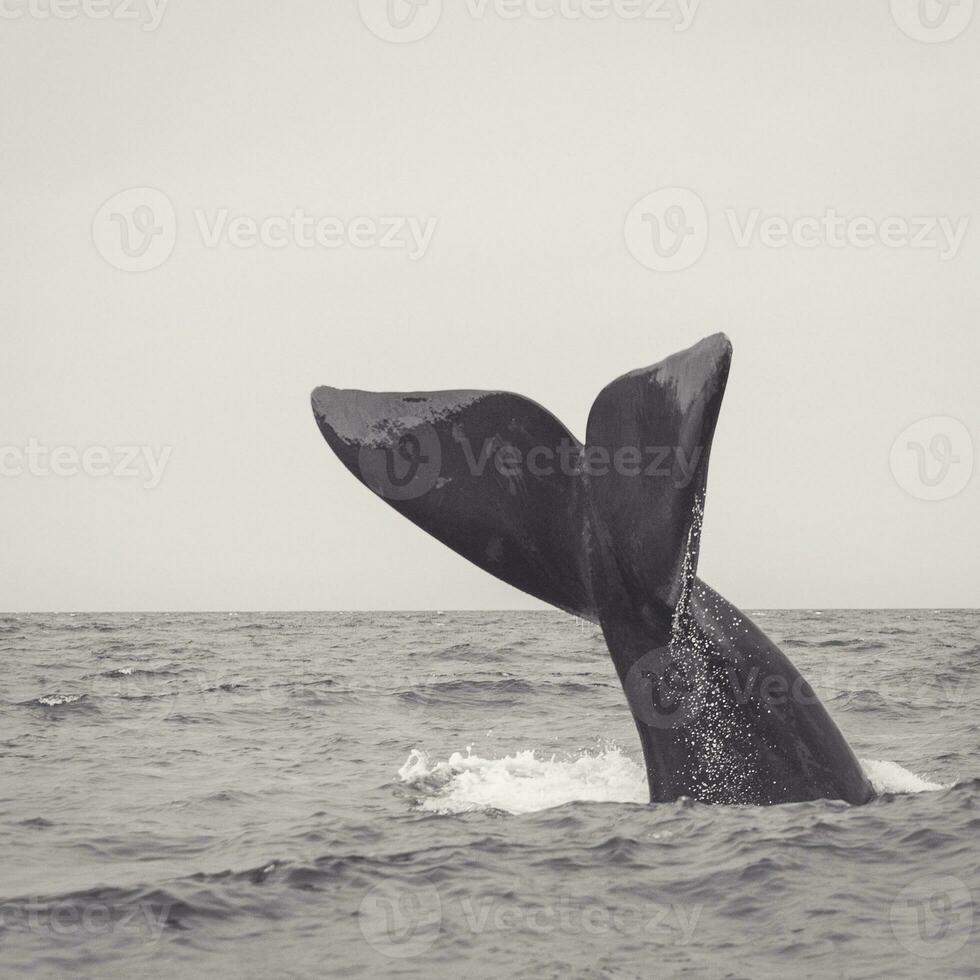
(523, 782)
(890, 777)
(55, 700)
(526, 782)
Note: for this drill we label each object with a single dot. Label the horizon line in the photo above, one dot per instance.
(162, 612)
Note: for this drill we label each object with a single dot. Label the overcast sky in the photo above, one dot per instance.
(506, 157)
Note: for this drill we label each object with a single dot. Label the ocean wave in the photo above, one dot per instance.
(254, 627)
(57, 700)
(75, 626)
(470, 691)
(149, 910)
(474, 652)
(837, 642)
(864, 700)
(482, 691)
(138, 672)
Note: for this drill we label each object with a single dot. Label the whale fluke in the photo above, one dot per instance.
(645, 523)
(610, 530)
(462, 465)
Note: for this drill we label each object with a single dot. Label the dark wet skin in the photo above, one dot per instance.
(610, 531)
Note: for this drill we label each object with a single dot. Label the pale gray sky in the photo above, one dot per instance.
(527, 142)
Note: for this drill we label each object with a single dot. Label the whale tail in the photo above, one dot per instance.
(501, 481)
(609, 530)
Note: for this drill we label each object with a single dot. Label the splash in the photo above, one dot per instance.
(523, 782)
(890, 777)
(527, 782)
